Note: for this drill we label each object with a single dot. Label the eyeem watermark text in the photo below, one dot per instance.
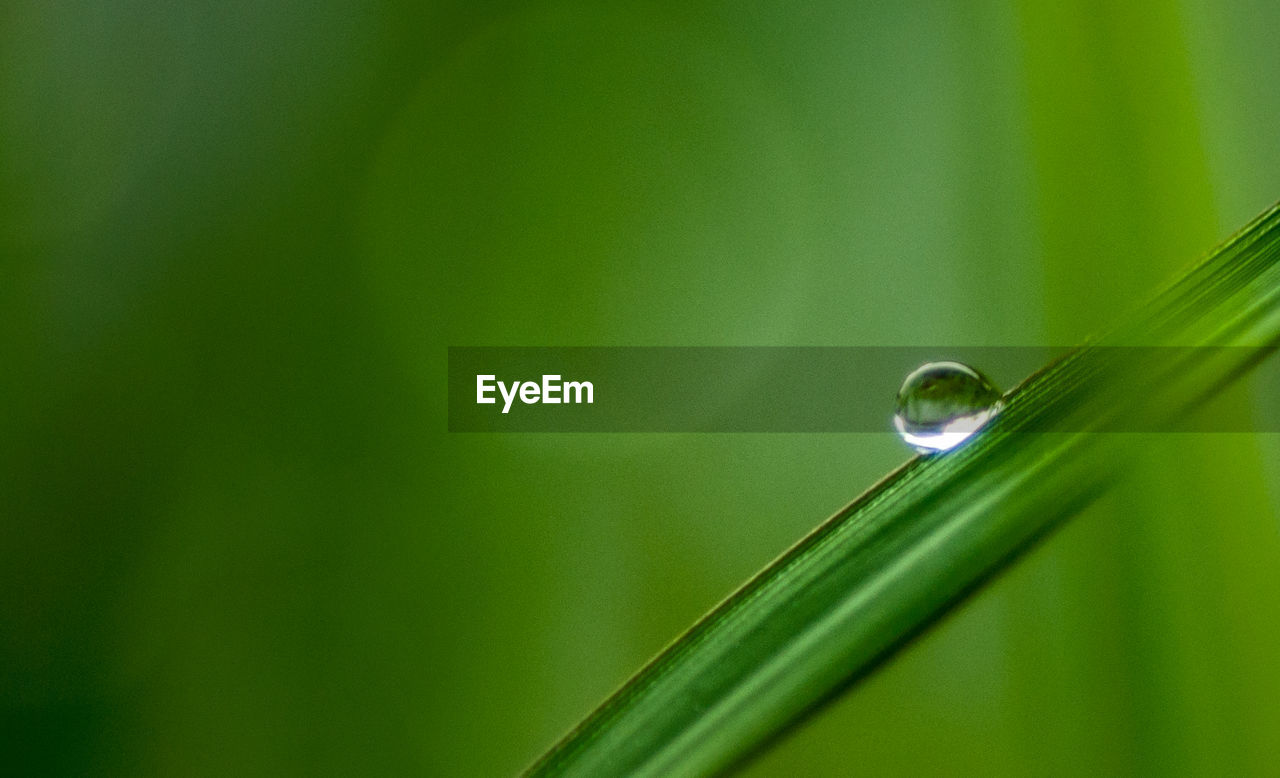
(549, 392)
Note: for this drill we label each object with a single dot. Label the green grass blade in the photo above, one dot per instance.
(889, 564)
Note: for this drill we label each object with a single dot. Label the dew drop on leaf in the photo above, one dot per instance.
(941, 404)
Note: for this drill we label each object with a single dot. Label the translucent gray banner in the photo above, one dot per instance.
(778, 389)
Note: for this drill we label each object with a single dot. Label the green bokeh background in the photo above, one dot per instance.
(236, 239)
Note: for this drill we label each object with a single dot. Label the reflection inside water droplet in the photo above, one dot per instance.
(941, 404)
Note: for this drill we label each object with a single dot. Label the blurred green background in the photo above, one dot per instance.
(237, 237)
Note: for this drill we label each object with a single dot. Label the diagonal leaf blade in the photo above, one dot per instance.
(886, 566)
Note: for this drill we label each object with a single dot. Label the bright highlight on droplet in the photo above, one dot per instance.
(941, 404)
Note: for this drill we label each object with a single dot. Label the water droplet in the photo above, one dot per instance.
(941, 404)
